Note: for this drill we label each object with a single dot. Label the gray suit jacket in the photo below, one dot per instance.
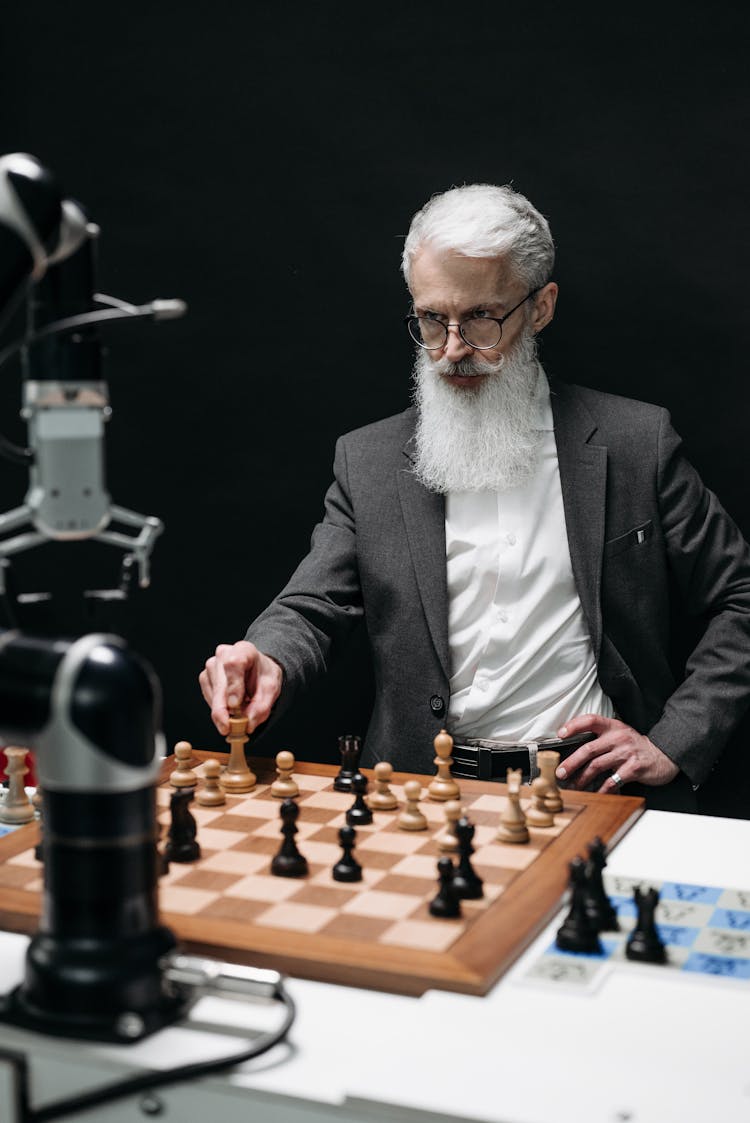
(642, 530)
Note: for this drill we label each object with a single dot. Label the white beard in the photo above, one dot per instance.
(478, 439)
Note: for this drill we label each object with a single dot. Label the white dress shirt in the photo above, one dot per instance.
(521, 656)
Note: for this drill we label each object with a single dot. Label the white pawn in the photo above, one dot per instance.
(537, 815)
(182, 774)
(411, 818)
(443, 786)
(16, 807)
(382, 799)
(448, 839)
(284, 787)
(211, 794)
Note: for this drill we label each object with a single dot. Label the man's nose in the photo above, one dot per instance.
(456, 347)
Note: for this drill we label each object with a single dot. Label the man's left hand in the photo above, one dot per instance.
(617, 749)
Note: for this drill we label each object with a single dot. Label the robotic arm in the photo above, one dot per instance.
(47, 255)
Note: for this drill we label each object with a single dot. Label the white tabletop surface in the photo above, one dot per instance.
(647, 1046)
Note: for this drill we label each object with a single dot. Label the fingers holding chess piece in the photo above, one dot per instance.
(211, 794)
(285, 786)
(411, 818)
(443, 786)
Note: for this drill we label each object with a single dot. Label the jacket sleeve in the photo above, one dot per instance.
(315, 612)
(711, 563)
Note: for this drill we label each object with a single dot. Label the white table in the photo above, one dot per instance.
(648, 1046)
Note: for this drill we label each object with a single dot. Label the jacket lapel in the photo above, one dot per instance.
(583, 478)
(424, 518)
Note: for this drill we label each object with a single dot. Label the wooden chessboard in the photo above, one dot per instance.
(376, 933)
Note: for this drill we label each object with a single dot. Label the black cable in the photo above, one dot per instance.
(146, 1081)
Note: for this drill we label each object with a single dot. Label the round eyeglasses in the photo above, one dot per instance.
(482, 333)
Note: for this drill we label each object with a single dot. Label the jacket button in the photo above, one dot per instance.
(437, 705)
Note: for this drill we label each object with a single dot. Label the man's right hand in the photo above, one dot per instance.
(239, 677)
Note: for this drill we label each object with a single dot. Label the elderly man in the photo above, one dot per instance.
(514, 545)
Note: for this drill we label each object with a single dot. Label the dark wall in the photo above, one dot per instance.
(264, 162)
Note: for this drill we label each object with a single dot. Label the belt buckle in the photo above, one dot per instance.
(484, 763)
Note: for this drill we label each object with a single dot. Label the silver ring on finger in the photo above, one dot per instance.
(617, 780)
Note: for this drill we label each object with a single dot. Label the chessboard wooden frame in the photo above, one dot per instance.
(472, 964)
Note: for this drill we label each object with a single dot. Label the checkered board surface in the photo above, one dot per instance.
(377, 932)
(706, 931)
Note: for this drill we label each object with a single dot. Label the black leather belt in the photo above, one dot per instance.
(490, 760)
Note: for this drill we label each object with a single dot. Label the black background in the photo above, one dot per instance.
(263, 163)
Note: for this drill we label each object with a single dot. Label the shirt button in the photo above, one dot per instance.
(511, 539)
(482, 684)
(437, 705)
(503, 616)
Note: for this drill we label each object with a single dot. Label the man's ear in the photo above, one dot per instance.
(544, 306)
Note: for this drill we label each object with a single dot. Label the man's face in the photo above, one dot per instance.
(451, 287)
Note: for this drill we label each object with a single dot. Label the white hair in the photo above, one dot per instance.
(482, 220)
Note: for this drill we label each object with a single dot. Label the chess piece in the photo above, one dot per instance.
(600, 910)
(447, 903)
(548, 760)
(347, 868)
(289, 862)
(443, 786)
(182, 775)
(448, 839)
(350, 748)
(382, 799)
(359, 814)
(644, 943)
(577, 933)
(537, 814)
(182, 845)
(466, 882)
(16, 808)
(513, 821)
(284, 786)
(411, 818)
(237, 777)
(211, 794)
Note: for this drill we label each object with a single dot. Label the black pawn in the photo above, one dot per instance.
(644, 943)
(289, 862)
(182, 845)
(467, 883)
(599, 909)
(577, 933)
(359, 814)
(347, 868)
(447, 903)
(350, 748)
